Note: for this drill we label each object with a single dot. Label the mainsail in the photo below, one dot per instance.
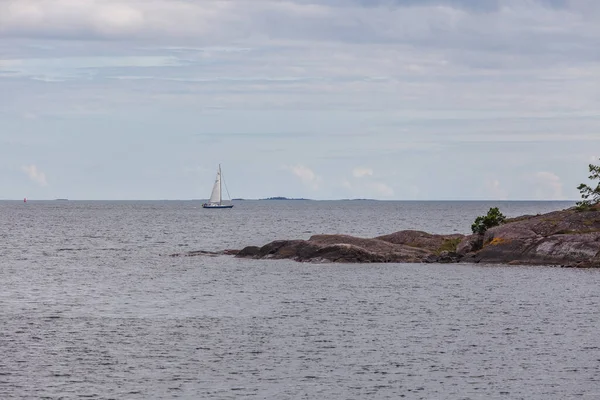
(215, 196)
(215, 200)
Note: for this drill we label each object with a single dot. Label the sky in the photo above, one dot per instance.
(321, 99)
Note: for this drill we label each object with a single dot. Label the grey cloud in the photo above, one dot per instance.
(296, 19)
(479, 33)
(509, 55)
(473, 5)
(470, 5)
(528, 32)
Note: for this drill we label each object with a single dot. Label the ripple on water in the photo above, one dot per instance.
(90, 309)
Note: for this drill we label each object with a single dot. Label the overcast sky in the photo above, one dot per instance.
(324, 99)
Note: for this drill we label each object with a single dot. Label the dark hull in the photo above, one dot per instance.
(217, 206)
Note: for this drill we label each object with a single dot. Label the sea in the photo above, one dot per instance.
(93, 306)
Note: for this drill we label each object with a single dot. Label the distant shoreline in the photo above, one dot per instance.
(307, 199)
(284, 198)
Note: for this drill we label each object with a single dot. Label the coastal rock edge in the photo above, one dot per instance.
(569, 238)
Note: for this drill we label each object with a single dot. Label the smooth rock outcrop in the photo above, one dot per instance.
(196, 253)
(403, 246)
(569, 238)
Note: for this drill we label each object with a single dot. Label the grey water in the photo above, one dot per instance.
(92, 306)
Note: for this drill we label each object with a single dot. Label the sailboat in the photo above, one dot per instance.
(216, 200)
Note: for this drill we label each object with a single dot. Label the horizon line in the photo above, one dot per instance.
(295, 199)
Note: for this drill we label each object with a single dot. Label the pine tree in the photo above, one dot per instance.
(590, 196)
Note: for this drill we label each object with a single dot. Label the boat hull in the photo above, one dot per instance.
(205, 205)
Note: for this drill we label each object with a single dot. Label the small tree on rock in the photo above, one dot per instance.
(493, 218)
(590, 196)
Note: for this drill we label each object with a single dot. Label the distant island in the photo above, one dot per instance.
(61, 199)
(298, 198)
(359, 200)
(283, 198)
(269, 198)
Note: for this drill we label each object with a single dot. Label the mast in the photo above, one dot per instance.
(220, 191)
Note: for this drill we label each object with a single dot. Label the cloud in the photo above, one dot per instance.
(471, 5)
(59, 69)
(306, 175)
(35, 175)
(109, 19)
(364, 189)
(360, 172)
(506, 26)
(547, 186)
(362, 185)
(494, 189)
(381, 189)
(419, 38)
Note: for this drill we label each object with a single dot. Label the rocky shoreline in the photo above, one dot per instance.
(567, 238)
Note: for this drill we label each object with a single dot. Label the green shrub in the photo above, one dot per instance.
(482, 223)
(590, 196)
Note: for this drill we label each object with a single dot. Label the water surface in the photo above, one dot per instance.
(92, 307)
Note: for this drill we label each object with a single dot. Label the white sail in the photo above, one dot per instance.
(215, 196)
(215, 201)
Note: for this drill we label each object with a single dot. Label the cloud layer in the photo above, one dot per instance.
(439, 98)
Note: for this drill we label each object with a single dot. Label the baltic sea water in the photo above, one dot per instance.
(92, 306)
